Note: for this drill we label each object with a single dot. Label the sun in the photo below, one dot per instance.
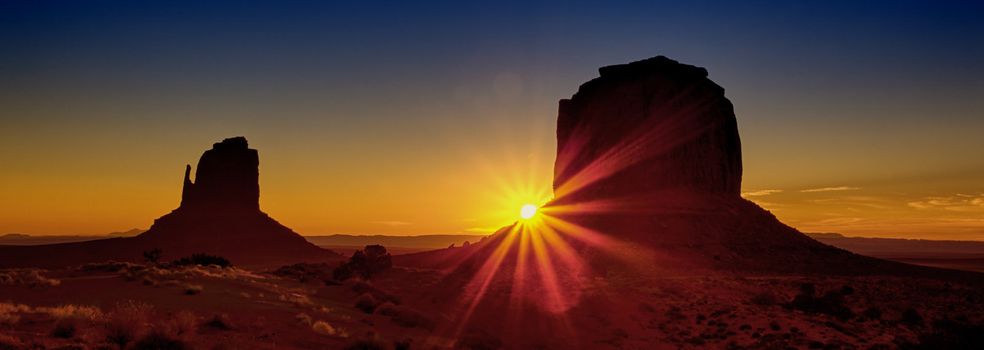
(527, 211)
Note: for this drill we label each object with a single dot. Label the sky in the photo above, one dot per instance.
(859, 117)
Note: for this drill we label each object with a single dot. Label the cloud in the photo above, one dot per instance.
(959, 203)
(759, 193)
(830, 189)
(391, 223)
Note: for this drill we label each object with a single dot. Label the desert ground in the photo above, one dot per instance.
(162, 306)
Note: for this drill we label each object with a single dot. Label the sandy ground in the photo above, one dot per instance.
(216, 308)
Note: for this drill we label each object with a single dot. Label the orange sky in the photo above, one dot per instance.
(407, 118)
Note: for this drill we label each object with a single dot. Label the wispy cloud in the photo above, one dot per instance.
(830, 189)
(958, 202)
(759, 193)
(391, 223)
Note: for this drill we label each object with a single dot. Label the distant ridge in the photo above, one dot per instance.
(419, 241)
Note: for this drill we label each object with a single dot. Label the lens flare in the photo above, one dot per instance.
(527, 211)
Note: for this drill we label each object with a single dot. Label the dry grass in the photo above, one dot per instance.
(31, 278)
(323, 328)
(127, 322)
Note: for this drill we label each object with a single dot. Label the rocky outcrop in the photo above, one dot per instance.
(219, 214)
(227, 178)
(644, 128)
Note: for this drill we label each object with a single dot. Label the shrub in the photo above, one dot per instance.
(9, 313)
(65, 328)
(323, 328)
(367, 343)
(30, 278)
(304, 319)
(831, 303)
(365, 263)
(182, 323)
(386, 309)
(366, 302)
(218, 322)
(153, 256)
(160, 341)
(193, 289)
(126, 322)
(306, 272)
(202, 259)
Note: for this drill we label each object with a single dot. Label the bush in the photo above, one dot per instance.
(65, 328)
(126, 322)
(219, 322)
(193, 289)
(153, 256)
(386, 309)
(323, 328)
(364, 263)
(30, 278)
(305, 272)
(160, 341)
(202, 259)
(368, 343)
(182, 323)
(831, 303)
(366, 302)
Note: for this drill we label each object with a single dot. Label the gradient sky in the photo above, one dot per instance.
(859, 117)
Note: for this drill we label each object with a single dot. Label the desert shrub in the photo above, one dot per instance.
(306, 272)
(386, 309)
(31, 278)
(403, 344)
(157, 340)
(179, 324)
(831, 303)
(410, 318)
(304, 319)
(366, 302)
(193, 289)
(10, 313)
(366, 343)
(364, 263)
(202, 259)
(65, 328)
(106, 266)
(323, 328)
(218, 322)
(297, 299)
(153, 256)
(126, 322)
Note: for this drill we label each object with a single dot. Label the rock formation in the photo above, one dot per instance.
(646, 127)
(648, 155)
(219, 214)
